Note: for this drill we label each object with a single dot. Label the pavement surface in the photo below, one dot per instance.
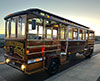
(88, 70)
(97, 42)
(80, 69)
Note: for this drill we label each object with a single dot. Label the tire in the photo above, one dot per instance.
(89, 55)
(53, 67)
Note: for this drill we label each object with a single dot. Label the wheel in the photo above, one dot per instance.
(53, 67)
(90, 52)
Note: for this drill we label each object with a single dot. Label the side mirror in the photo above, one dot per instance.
(33, 24)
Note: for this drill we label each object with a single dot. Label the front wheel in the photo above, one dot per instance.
(90, 52)
(53, 67)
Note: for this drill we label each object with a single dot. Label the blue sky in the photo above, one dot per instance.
(86, 12)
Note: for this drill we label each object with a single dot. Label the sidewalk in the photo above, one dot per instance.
(88, 70)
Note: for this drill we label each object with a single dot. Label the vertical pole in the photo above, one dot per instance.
(10, 28)
(43, 46)
(43, 33)
(67, 38)
(51, 32)
(78, 33)
(6, 29)
(16, 27)
(88, 34)
(65, 29)
(37, 30)
(59, 32)
(26, 37)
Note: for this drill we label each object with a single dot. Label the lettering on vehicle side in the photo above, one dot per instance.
(18, 48)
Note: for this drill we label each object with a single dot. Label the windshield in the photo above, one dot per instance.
(15, 27)
(37, 33)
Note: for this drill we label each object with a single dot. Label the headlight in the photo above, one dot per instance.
(4, 47)
(23, 67)
(7, 60)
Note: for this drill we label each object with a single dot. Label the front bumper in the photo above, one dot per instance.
(29, 68)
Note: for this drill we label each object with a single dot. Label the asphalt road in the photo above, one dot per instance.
(8, 73)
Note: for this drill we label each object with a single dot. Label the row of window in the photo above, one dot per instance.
(11, 29)
(15, 27)
(51, 31)
(55, 31)
(75, 33)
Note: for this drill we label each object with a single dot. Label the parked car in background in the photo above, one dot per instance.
(2, 41)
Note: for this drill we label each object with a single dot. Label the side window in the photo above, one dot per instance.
(21, 27)
(13, 27)
(54, 34)
(48, 30)
(70, 34)
(84, 35)
(48, 33)
(40, 31)
(81, 34)
(7, 30)
(51, 29)
(62, 33)
(75, 33)
(91, 35)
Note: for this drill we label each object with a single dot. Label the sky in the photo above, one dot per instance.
(86, 12)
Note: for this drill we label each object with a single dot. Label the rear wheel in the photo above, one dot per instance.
(90, 52)
(53, 67)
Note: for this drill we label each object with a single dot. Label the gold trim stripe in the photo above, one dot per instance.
(43, 52)
(42, 46)
(54, 40)
(38, 40)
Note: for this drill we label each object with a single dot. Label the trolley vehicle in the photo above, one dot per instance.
(37, 40)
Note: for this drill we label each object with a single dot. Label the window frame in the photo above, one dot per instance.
(81, 33)
(76, 33)
(64, 27)
(53, 36)
(7, 30)
(22, 36)
(50, 35)
(91, 35)
(11, 28)
(52, 25)
(8, 27)
(37, 28)
(71, 33)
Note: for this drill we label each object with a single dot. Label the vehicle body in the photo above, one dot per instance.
(37, 40)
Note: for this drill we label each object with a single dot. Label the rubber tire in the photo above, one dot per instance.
(53, 67)
(90, 54)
